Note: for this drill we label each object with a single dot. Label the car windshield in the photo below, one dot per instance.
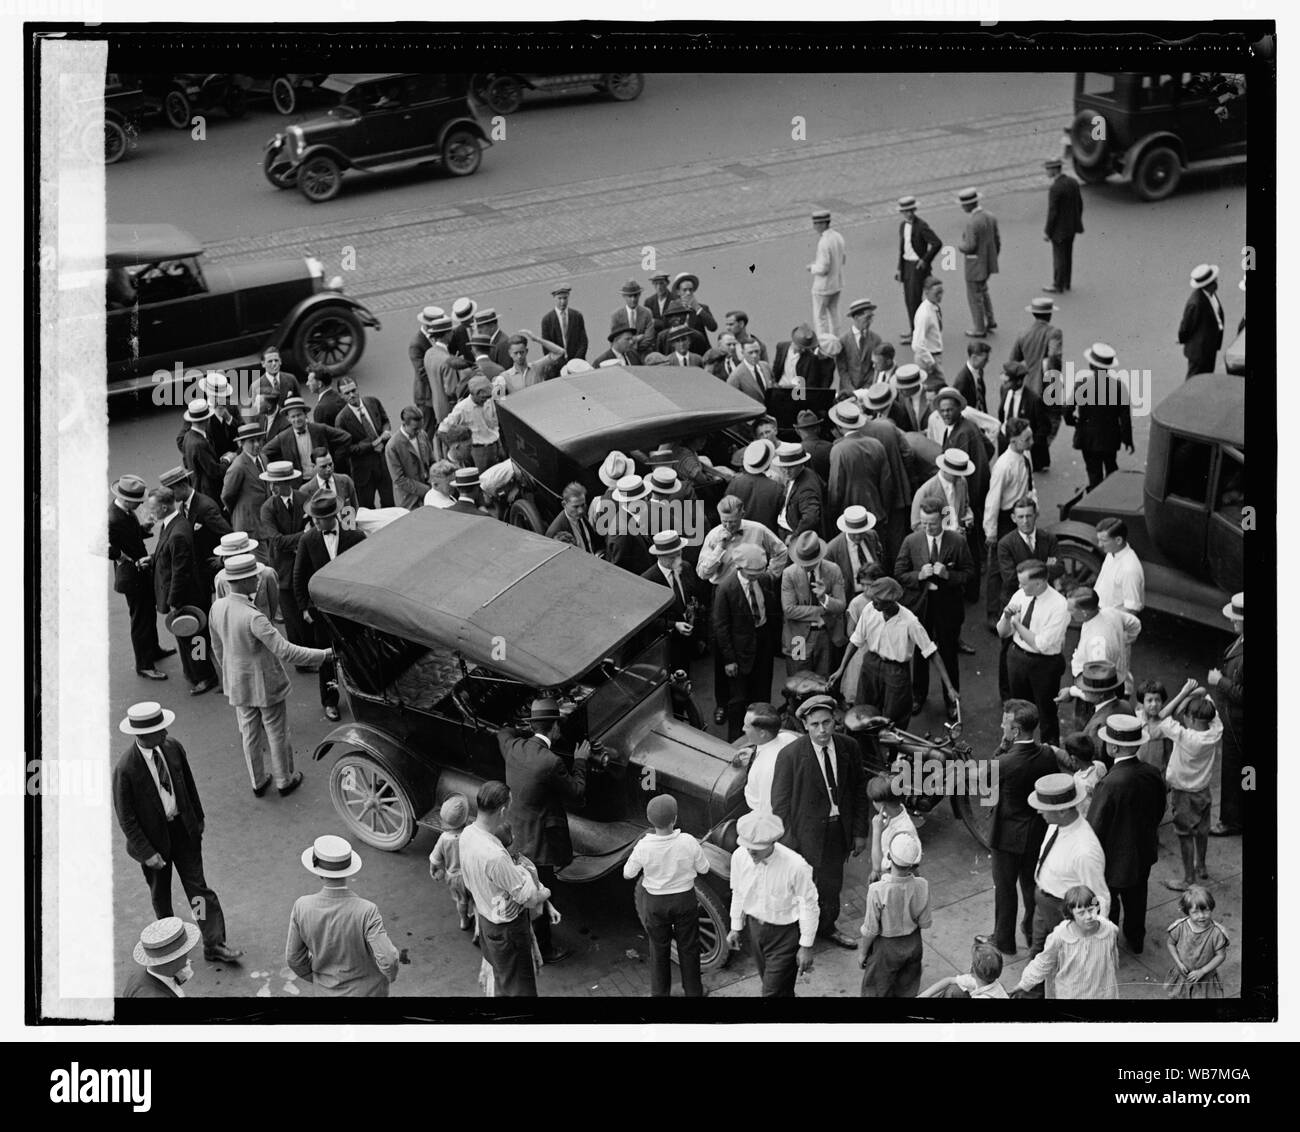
(1098, 84)
(639, 668)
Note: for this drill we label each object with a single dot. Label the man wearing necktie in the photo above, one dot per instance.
(1200, 332)
(573, 519)
(684, 626)
(1034, 622)
(746, 630)
(1011, 480)
(1025, 542)
(819, 792)
(158, 810)
(565, 325)
(365, 420)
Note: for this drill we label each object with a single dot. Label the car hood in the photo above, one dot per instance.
(247, 276)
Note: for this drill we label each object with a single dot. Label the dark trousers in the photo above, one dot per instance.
(325, 675)
(829, 876)
(509, 950)
(372, 478)
(1100, 465)
(1009, 870)
(196, 657)
(1202, 364)
(750, 688)
(144, 626)
(775, 948)
(893, 531)
(1047, 914)
(1133, 900)
(993, 602)
(981, 305)
(893, 967)
(944, 630)
(542, 925)
(975, 543)
(913, 289)
(294, 627)
(187, 860)
(1231, 796)
(1004, 681)
(675, 916)
(1037, 678)
(485, 455)
(888, 685)
(1062, 263)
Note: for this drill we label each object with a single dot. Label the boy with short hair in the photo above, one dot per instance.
(891, 818)
(1152, 697)
(898, 907)
(981, 981)
(1191, 721)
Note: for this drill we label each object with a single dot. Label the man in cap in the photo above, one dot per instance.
(620, 352)
(632, 316)
(927, 328)
(271, 389)
(183, 582)
(251, 656)
(326, 481)
(1034, 622)
(197, 453)
(133, 573)
(438, 390)
(813, 603)
(1097, 408)
(266, 591)
(1125, 813)
(860, 471)
(855, 546)
(320, 545)
(1104, 634)
(521, 373)
(680, 339)
(804, 503)
(858, 345)
(1064, 222)
(297, 442)
(1200, 333)
(751, 375)
(282, 524)
(658, 302)
(158, 810)
(1016, 402)
(761, 495)
(746, 631)
(1040, 347)
(365, 420)
(1229, 684)
(408, 456)
(163, 955)
(917, 247)
(469, 493)
(911, 401)
(337, 940)
(541, 788)
(477, 411)
(969, 380)
(773, 895)
(819, 792)
(827, 269)
(981, 244)
(243, 491)
(685, 617)
(485, 322)
(565, 325)
(797, 365)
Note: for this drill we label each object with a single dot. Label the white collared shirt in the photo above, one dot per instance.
(1009, 482)
(1107, 636)
(758, 787)
(167, 797)
(927, 334)
(670, 861)
(1051, 617)
(162, 523)
(1122, 581)
(303, 440)
(500, 888)
(893, 639)
(331, 542)
(1075, 857)
(909, 252)
(778, 890)
(716, 564)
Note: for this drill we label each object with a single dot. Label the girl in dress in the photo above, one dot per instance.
(1198, 947)
(1082, 952)
(444, 861)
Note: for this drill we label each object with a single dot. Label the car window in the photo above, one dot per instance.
(169, 279)
(1230, 494)
(1189, 469)
(425, 88)
(1099, 85)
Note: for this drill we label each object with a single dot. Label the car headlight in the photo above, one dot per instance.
(295, 140)
(315, 268)
(335, 284)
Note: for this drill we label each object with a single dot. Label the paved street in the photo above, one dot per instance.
(703, 170)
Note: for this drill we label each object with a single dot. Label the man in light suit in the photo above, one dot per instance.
(243, 491)
(1064, 222)
(565, 325)
(680, 338)
(858, 345)
(819, 792)
(857, 545)
(827, 269)
(753, 377)
(813, 604)
(1200, 332)
(365, 420)
(408, 457)
(981, 244)
(631, 315)
(251, 656)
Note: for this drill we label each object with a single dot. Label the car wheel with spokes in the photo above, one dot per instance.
(319, 179)
(279, 171)
(624, 87)
(523, 513)
(176, 109)
(504, 94)
(376, 805)
(1081, 565)
(1157, 173)
(283, 95)
(328, 341)
(714, 952)
(115, 141)
(461, 153)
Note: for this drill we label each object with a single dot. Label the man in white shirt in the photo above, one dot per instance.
(1034, 621)
(477, 411)
(521, 374)
(927, 329)
(1010, 481)
(827, 271)
(1104, 634)
(773, 894)
(1122, 581)
(717, 562)
(763, 732)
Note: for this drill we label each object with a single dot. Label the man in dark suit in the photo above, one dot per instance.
(958, 432)
(573, 518)
(969, 380)
(684, 619)
(904, 470)
(365, 420)
(981, 244)
(746, 629)
(678, 318)
(857, 347)
(632, 316)
(1201, 330)
(197, 453)
(805, 499)
(420, 345)
(133, 574)
(163, 960)
(857, 545)
(272, 388)
(202, 515)
(223, 423)
(1017, 401)
(1125, 814)
(320, 545)
(917, 247)
(1018, 546)
(796, 358)
(1064, 222)
(810, 426)
(540, 790)
(860, 471)
(620, 350)
(283, 524)
(565, 326)
(242, 491)
(1098, 411)
(158, 810)
(329, 402)
(485, 322)
(680, 342)
(327, 481)
(1018, 830)
(911, 399)
(296, 442)
(181, 578)
(761, 495)
(820, 793)
(933, 566)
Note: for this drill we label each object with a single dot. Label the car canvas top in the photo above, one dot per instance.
(341, 84)
(524, 605)
(1211, 406)
(125, 245)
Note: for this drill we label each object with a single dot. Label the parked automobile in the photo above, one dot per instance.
(285, 91)
(123, 109)
(381, 121)
(446, 626)
(1153, 128)
(1185, 514)
(167, 307)
(503, 91)
(177, 98)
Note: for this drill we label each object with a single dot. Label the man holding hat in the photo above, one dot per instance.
(773, 895)
(251, 656)
(365, 420)
(183, 586)
(917, 247)
(819, 792)
(158, 810)
(634, 317)
(565, 325)
(797, 365)
(1097, 408)
(827, 270)
(297, 442)
(1200, 333)
(163, 955)
(319, 545)
(197, 453)
(283, 522)
(541, 789)
(746, 629)
(813, 603)
(1229, 684)
(1064, 222)
(981, 244)
(243, 491)
(860, 471)
(133, 573)
(620, 352)
(857, 346)
(684, 618)
(804, 501)
(337, 940)
(266, 594)
(1125, 813)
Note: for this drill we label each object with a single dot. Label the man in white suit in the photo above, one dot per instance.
(827, 270)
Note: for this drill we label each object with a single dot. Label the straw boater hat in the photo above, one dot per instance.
(630, 488)
(662, 456)
(1235, 610)
(1097, 681)
(846, 414)
(856, 520)
(250, 431)
(1204, 274)
(330, 856)
(430, 315)
(486, 317)
(667, 542)
(187, 621)
(613, 468)
(759, 829)
(291, 403)
(907, 379)
(215, 384)
(659, 275)
(758, 456)
(822, 214)
(907, 203)
(1123, 731)
(681, 278)
(574, 365)
(948, 393)
(241, 566)
(877, 397)
(1055, 792)
(198, 411)
(129, 489)
(1042, 306)
(464, 309)
(172, 476)
(860, 305)
(663, 481)
(1100, 356)
(968, 196)
(955, 462)
(165, 940)
(146, 718)
(807, 550)
(791, 455)
(462, 478)
(237, 542)
(279, 471)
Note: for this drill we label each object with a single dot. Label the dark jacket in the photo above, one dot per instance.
(1064, 210)
(967, 436)
(576, 346)
(735, 635)
(1230, 694)
(860, 475)
(1031, 409)
(139, 810)
(925, 244)
(761, 495)
(360, 452)
(971, 386)
(906, 471)
(312, 555)
(540, 789)
(1125, 813)
(820, 451)
(681, 648)
(327, 407)
(1199, 332)
(818, 372)
(561, 523)
(1017, 827)
(800, 800)
(837, 551)
(284, 445)
(633, 358)
(179, 577)
(806, 508)
(207, 472)
(125, 548)
(1011, 551)
(1098, 412)
(283, 528)
(208, 524)
(220, 434)
(917, 595)
(697, 344)
(141, 984)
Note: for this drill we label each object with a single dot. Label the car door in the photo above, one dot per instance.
(190, 325)
(1228, 519)
(379, 136)
(427, 98)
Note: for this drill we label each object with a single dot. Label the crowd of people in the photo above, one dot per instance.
(841, 545)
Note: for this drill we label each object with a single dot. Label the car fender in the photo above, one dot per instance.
(392, 754)
(1134, 152)
(320, 299)
(467, 124)
(1071, 530)
(343, 161)
(719, 861)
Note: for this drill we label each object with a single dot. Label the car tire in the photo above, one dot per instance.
(623, 87)
(279, 171)
(523, 513)
(1091, 175)
(978, 818)
(461, 153)
(328, 340)
(319, 179)
(235, 104)
(1081, 564)
(1088, 152)
(378, 806)
(504, 94)
(1157, 173)
(284, 96)
(176, 109)
(714, 925)
(114, 141)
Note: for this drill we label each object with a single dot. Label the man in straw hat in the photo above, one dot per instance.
(981, 244)
(773, 895)
(420, 344)
(1064, 222)
(1229, 684)
(283, 523)
(827, 270)
(1097, 408)
(243, 491)
(912, 404)
(685, 618)
(625, 524)
(1200, 333)
(437, 391)
(337, 940)
(201, 514)
(158, 810)
(860, 474)
(163, 955)
(804, 503)
(917, 247)
(878, 402)
(761, 495)
(182, 584)
(855, 546)
(746, 631)
(813, 604)
(251, 657)
(133, 573)
(267, 594)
